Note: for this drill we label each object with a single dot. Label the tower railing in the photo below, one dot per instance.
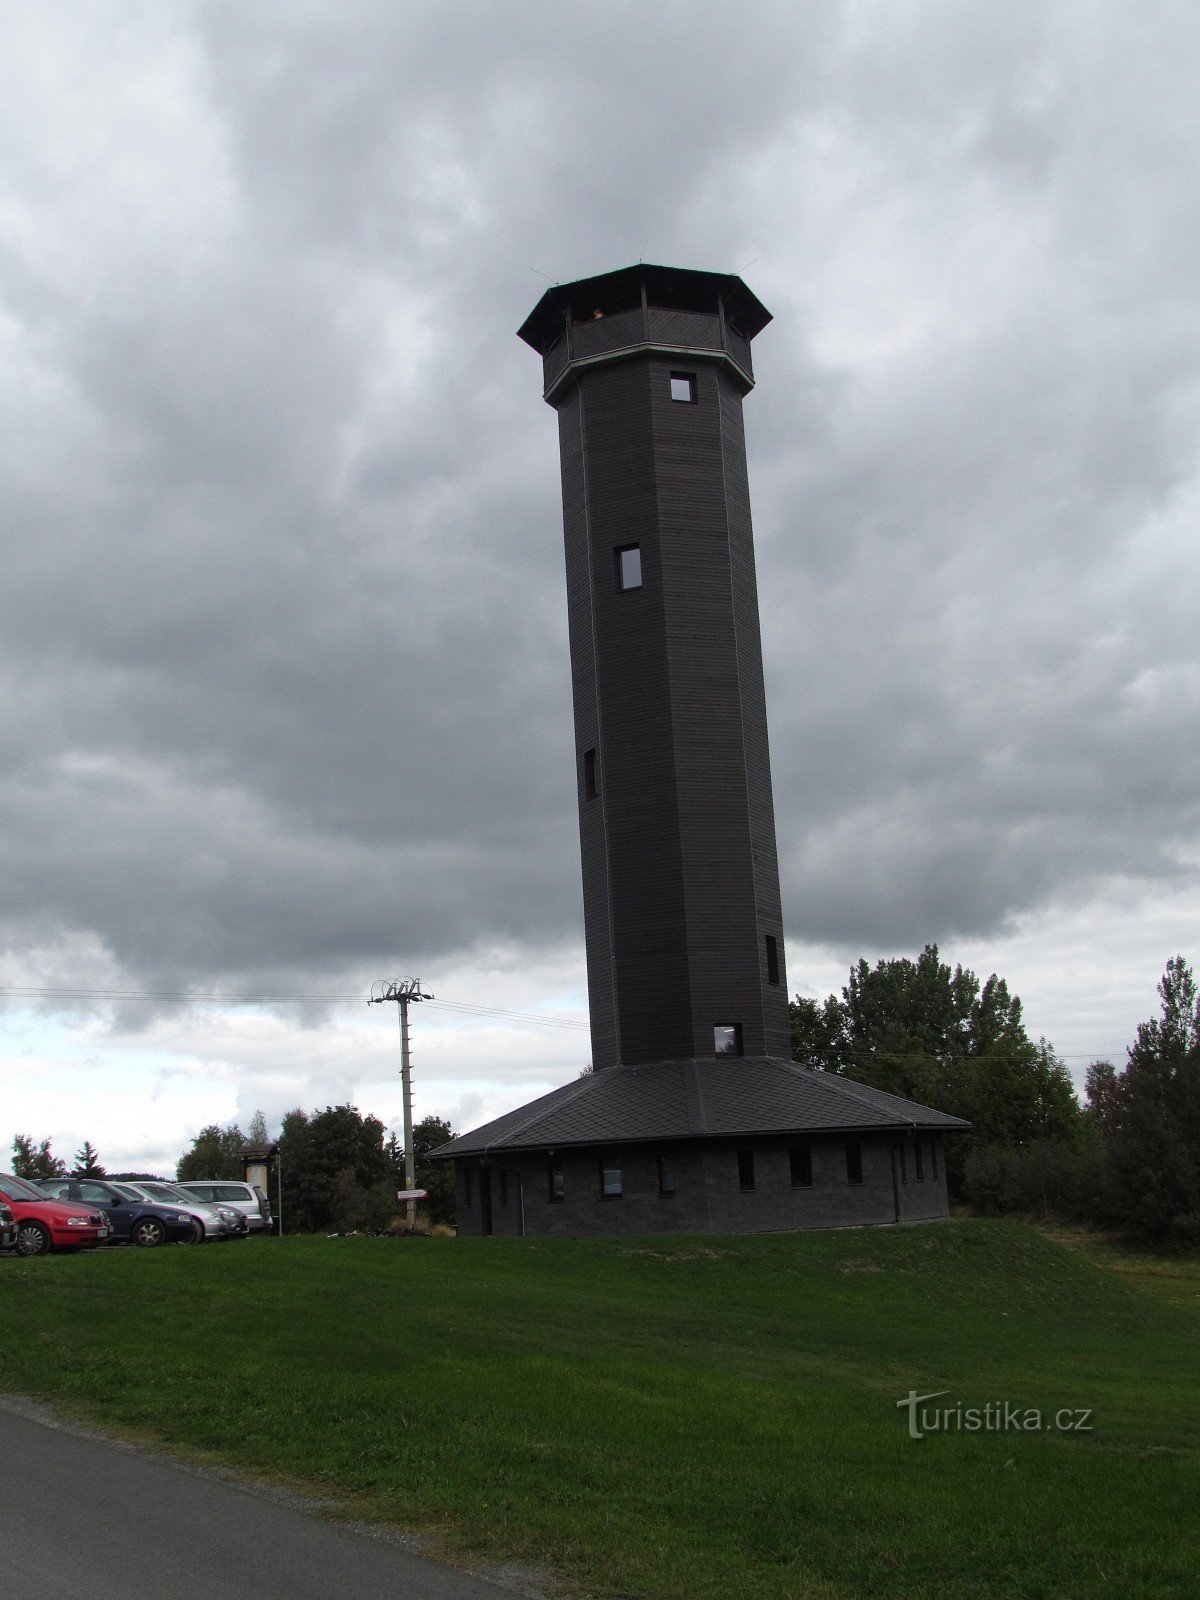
(654, 325)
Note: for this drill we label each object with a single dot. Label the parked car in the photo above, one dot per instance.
(214, 1222)
(8, 1227)
(247, 1198)
(43, 1224)
(130, 1215)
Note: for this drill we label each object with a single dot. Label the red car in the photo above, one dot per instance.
(44, 1224)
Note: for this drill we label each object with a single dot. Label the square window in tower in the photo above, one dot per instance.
(727, 1040)
(629, 566)
(683, 387)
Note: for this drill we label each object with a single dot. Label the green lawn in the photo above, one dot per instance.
(712, 1419)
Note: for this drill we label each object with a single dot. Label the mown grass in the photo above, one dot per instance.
(670, 1418)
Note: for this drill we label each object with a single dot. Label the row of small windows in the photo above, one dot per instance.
(800, 1166)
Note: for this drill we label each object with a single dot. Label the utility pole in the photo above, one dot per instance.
(403, 991)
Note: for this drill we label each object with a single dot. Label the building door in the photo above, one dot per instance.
(485, 1200)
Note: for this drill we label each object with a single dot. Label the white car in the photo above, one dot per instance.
(247, 1198)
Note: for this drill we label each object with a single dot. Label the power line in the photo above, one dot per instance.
(173, 997)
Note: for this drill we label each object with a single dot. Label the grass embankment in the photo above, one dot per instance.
(710, 1419)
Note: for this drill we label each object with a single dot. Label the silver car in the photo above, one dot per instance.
(247, 1198)
(212, 1221)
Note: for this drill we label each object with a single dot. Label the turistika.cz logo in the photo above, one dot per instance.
(997, 1416)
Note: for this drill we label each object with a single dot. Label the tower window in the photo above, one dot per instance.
(589, 774)
(683, 387)
(772, 959)
(800, 1156)
(610, 1177)
(727, 1039)
(629, 567)
(745, 1170)
(854, 1161)
(666, 1176)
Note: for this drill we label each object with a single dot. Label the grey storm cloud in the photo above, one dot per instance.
(285, 683)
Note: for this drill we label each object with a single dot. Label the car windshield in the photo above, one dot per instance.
(127, 1190)
(18, 1189)
(163, 1191)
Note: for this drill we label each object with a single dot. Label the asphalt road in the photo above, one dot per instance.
(82, 1516)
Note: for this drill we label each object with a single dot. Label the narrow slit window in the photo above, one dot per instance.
(683, 387)
(933, 1159)
(919, 1158)
(554, 1179)
(503, 1187)
(666, 1176)
(772, 959)
(629, 567)
(745, 1160)
(589, 775)
(903, 1165)
(727, 1039)
(610, 1177)
(800, 1157)
(854, 1170)
(470, 1201)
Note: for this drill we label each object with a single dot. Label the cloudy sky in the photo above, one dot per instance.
(285, 693)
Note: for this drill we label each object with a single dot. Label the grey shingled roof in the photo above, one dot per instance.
(718, 1098)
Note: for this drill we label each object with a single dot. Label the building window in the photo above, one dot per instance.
(800, 1156)
(772, 959)
(745, 1170)
(589, 775)
(503, 1186)
(727, 1039)
(610, 1177)
(554, 1180)
(683, 387)
(854, 1161)
(903, 1164)
(920, 1160)
(666, 1176)
(933, 1159)
(629, 566)
(470, 1186)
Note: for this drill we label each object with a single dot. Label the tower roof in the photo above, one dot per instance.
(676, 288)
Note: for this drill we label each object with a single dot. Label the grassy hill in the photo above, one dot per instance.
(711, 1419)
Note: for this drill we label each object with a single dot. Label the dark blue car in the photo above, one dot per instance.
(132, 1217)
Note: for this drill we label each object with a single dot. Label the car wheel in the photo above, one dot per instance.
(197, 1234)
(148, 1232)
(32, 1239)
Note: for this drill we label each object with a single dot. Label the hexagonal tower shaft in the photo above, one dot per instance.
(647, 369)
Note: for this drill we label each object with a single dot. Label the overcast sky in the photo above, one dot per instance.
(285, 703)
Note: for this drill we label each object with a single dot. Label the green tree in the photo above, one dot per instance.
(436, 1176)
(933, 1034)
(87, 1163)
(215, 1153)
(36, 1161)
(1149, 1115)
(257, 1134)
(332, 1160)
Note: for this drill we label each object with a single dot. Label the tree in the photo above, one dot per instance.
(938, 1036)
(1149, 1116)
(30, 1161)
(335, 1169)
(258, 1135)
(436, 1176)
(87, 1163)
(215, 1153)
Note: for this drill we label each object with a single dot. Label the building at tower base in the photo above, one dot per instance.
(693, 1118)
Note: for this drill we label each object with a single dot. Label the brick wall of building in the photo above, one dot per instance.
(708, 1194)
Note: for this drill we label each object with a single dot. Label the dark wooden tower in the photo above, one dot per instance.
(647, 369)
